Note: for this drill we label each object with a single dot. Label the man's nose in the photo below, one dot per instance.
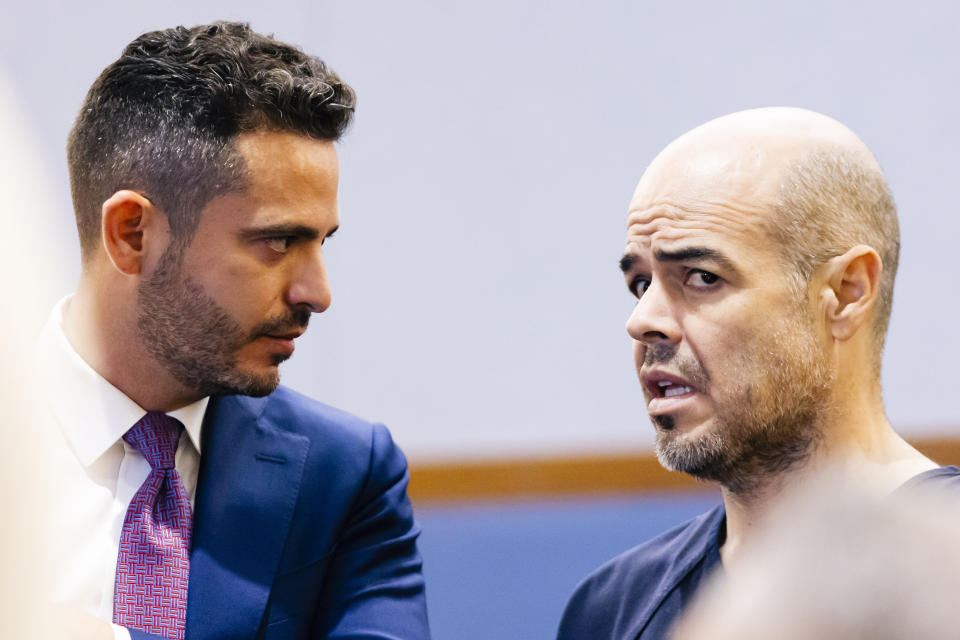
(653, 318)
(309, 286)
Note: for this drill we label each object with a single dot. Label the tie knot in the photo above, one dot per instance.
(155, 436)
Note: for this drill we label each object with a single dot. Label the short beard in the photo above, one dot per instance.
(195, 339)
(769, 423)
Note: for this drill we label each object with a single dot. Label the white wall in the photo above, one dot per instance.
(478, 309)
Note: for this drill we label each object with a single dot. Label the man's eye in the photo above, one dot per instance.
(639, 285)
(699, 278)
(281, 244)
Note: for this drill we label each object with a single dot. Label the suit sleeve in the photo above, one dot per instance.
(375, 588)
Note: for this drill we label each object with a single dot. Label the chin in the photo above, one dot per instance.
(245, 382)
(262, 384)
(687, 448)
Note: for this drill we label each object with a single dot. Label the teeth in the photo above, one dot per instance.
(676, 391)
(664, 383)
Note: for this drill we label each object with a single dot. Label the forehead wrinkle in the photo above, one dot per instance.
(735, 229)
(717, 218)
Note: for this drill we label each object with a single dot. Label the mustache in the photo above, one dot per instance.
(688, 367)
(296, 320)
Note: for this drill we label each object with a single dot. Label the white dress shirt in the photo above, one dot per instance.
(97, 472)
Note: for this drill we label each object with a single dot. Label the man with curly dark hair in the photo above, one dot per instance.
(199, 499)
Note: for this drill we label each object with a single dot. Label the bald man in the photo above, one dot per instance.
(761, 249)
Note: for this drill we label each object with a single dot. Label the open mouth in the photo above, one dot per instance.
(668, 389)
(661, 384)
(668, 393)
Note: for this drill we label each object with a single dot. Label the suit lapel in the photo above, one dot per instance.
(250, 474)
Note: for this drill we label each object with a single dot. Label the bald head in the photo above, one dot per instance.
(805, 179)
(747, 153)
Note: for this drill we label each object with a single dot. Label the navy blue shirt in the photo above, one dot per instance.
(639, 594)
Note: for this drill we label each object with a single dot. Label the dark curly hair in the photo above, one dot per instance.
(161, 119)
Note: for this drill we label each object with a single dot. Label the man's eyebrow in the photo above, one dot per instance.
(296, 230)
(695, 253)
(627, 262)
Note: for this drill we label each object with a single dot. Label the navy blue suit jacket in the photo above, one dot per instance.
(302, 527)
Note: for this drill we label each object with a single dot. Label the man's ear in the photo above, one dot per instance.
(852, 282)
(129, 222)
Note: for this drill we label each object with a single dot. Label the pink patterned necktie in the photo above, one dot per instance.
(153, 566)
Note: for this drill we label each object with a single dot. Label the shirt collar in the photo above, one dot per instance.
(192, 418)
(92, 413)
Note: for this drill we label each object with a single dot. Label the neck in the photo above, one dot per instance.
(857, 443)
(101, 324)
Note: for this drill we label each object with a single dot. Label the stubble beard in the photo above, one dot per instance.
(768, 422)
(195, 339)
